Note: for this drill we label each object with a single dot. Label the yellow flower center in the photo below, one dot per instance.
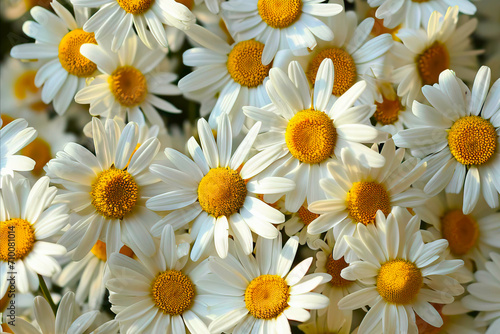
(266, 297)
(345, 72)
(388, 111)
(278, 13)
(399, 281)
(173, 292)
(114, 193)
(128, 85)
(188, 3)
(222, 192)
(135, 6)
(432, 62)
(69, 53)
(25, 84)
(311, 136)
(472, 140)
(244, 64)
(364, 199)
(17, 238)
(38, 150)
(334, 267)
(306, 216)
(460, 230)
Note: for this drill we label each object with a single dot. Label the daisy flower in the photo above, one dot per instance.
(115, 18)
(424, 54)
(15, 136)
(484, 295)
(459, 139)
(305, 131)
(470, 237)
(51, 138)
(129, 85)
(234, 73)
(30, 217)
(391, 114)
(160, 293)
(352, 52)
(415, 13)
(280, 25)
(357, 193)
(66, 320)
(108, 190)
(18, 88)
(218, 191)
(402, 274)
(58, 40)
(87, 276)
(260, 293)
(337, 287)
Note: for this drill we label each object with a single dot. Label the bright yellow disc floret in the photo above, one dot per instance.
(135, 7)
(364, 199)
(399, 281)
(472, 140)
(266, 297)
(69, 53)
(17, 238)
(244, 64)
(311, 136)
(279, 13)
(114, 193)
(128, 85)
(222, 192)
(173, 292)
(345, 73)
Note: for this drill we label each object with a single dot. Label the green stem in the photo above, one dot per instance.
(46, 294)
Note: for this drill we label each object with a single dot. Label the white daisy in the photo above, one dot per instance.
(484, 295)
(87, 276)
(304, 131)
(29, 219)
(280, 25)
(391, 114)
(352, 52)
(160, 293)
(357, 193)
(460, 139)
(58, 40)
(337, 287)
(66, 320)
(18, 89)
(424, 54)
(51, 138)
(402, 273)
(129, 86)
(470, 237)
(260, 293)
(15, 136)
(416, 13)
(108, 190)
(234, 73)
(115, 18)
(217, 190)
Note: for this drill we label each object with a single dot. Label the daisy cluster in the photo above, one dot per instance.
(250, 166)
